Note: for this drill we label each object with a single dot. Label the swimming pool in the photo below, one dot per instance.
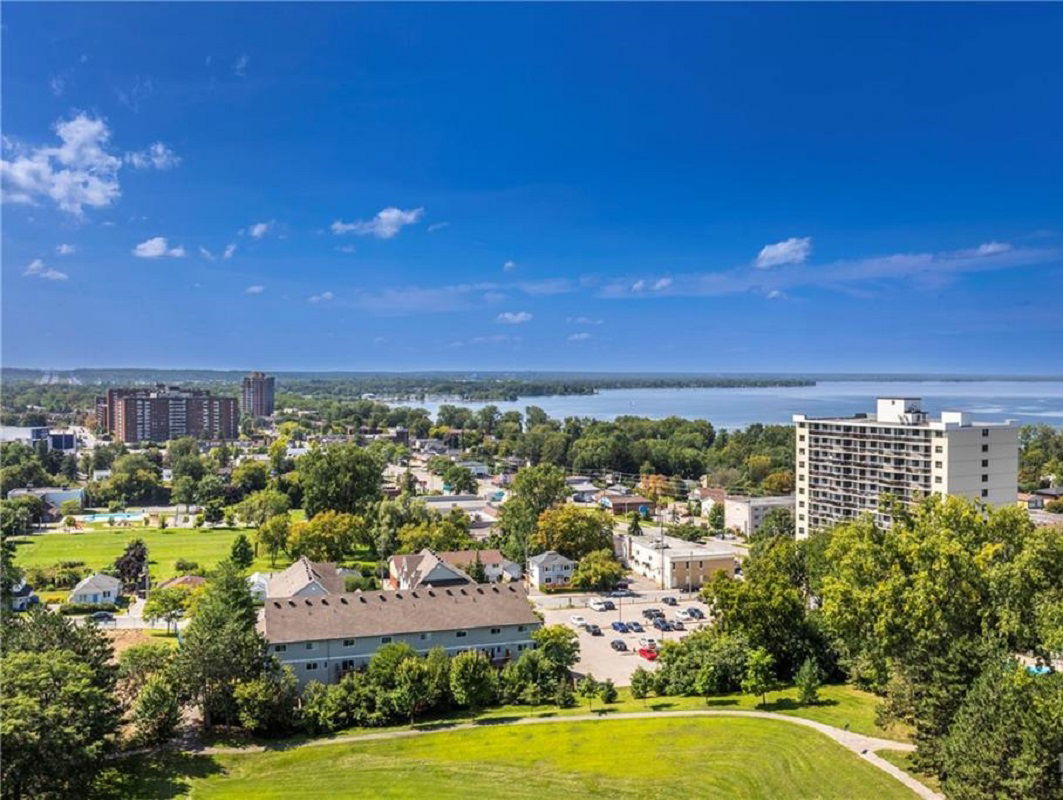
(112, 516)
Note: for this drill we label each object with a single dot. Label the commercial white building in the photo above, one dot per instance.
(845, 464)
(746, 514)
(674, 563)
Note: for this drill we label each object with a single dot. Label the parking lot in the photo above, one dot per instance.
(596, 654)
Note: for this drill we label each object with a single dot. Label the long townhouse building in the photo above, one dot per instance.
(845, 464)
(322, 638)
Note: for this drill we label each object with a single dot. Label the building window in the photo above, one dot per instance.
(461, 634)
(985, 448)
(938, 449)
(279, 648)
(937, 479)
(522, 627)
(425, 637)
(309, 645)
(347, 664)
(495, 631)
(385, 640)
(311, 666)
(985, 462)
(348, 642)
(985, 493)
(985, 431)
(985, 479)
(937, 464)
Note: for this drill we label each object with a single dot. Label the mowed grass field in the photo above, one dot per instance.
(726, 757)
(99, 548)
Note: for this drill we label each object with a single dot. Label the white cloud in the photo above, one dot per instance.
(638, 285)
(494, 297)
(662, 283)
(65, 249)
(992, 248)
(775, 294)
(346, 248)
(158, 156)
(790, 251)
(255, 289)
(158, 247)
(384, 225)
(38, 269)
(229, 251)
(579, 337)
(57, 85)
(260, 229)
(240, 66)
(585, 321)
(78, 173)
(547, 286)
(509, 266)
(207, 254)
(438, 226)
(514, 317)
(324, 297)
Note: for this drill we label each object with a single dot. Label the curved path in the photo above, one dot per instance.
(863, 746)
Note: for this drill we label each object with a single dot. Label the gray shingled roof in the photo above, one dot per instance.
(303, 572)
(360, 614)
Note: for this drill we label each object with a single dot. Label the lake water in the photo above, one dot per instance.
(1025, 401)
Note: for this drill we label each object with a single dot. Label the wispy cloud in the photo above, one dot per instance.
(240, 66)
(386, 224)
(207, 254)
(158, 247)
(259, 229)
(579, 337)
(789, 251)
(65, 249)
(585, 321)
(256, 288)
(38, 269)
(514, 317)
(548, 286)
(58, 85)
(324, 297)
(849, 275)
(346, 248)
(494, 297)
(661, 284)
(229, 251)
(509, 266)
(157, 156)
(438, 226)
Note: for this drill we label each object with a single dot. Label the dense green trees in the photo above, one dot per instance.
(572, 531)
(343, 478)
(598, 570)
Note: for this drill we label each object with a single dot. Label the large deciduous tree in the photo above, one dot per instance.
(573, 532)
(344, 478)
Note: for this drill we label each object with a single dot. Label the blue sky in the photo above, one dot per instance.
(604, 187)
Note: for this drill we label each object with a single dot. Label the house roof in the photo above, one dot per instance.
(624, 499)
(362, 614)
(427, 569)
(1052, 491)
(467, 557)
(183, 582)
(302, 573)
(98, 581)
(549, 557)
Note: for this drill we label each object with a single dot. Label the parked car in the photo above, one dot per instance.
(623, 593)
(102, 616)
(651, 613)
(696, 613)
(609, 605)
(635, 627)
(649, 655)
(618, 645)
(669, 601)
(684, 615)
(648, 642)
(661, 624)
(677, 625)
(598, 605)
(578, 621)
(620, 627)
(593, 629)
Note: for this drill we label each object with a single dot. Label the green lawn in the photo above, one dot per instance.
(719, 757)
(99, 548)
(902, 759)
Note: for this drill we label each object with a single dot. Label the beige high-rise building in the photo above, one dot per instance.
(845, 464)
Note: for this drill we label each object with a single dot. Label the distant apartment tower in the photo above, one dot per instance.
(256, 399)
(167, 412)
(845, 464)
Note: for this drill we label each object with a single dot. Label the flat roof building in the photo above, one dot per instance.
(167, 412)
(747, 514)
(256, 394)
(845, 464)
(674, 563)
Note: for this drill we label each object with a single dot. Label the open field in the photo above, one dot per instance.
(902, 759)
(99, 548)
(710, 757)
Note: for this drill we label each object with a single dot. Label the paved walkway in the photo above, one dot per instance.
(863, 746)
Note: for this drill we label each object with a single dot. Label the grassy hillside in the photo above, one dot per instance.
(721, 757)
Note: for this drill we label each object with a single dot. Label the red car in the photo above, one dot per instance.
(648, 654)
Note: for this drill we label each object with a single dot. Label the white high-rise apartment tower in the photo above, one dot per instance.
(845, 464)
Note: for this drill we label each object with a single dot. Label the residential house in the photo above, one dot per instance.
(22, 596)
(423, 570)
(1031, 502)
(306, 578)
(583, 491)
(1050, 493)
(708, 496)
(550, 569)
(189, 582)
(53, 498)
(480, 470)
(497, 568)
(322, 638)
(97, 589)
(623, 504)
(746, 514)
